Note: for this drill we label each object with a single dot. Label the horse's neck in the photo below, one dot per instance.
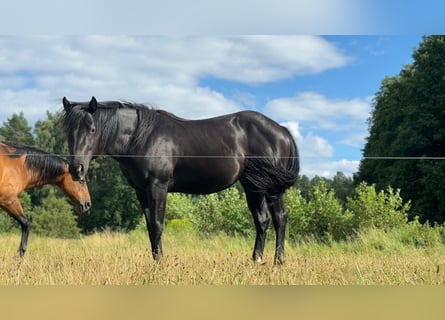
(128, 120)
(38, 178)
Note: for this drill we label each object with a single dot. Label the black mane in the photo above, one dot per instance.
(107, 120)
(40, 162)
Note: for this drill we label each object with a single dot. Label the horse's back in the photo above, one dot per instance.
(11, 170)
(244, 133)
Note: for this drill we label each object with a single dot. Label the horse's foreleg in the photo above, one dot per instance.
(25, 224)
(15, 210)
(155, 217)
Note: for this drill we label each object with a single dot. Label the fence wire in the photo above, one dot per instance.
(227, 156)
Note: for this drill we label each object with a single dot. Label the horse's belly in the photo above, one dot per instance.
(198, 188)
(205, 179)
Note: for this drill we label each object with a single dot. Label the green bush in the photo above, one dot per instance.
(54, 218)
(326, 219)
(296, 208)
(420, 235)
(176, 226)
(179, 206)
(322, 217)
(398, 239)
(382, 210)
(373, 239)
(224, 212)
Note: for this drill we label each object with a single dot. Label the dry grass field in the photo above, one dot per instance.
(125, 259)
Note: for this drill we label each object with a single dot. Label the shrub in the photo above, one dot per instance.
(322, 217)
(326, 219)
(421, 235)
(179, 206)
(383, 210)
(180, 226)
(224, 212)
(373, 239)
(54, 218)
(296, 207)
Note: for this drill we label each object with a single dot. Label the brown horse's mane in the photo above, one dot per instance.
(38, 162)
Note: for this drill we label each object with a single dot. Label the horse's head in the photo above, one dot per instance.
(80, 128)
(77, 192)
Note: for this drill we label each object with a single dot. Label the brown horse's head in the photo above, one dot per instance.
(77, 191)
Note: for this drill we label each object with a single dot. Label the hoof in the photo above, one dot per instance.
(278, 261)
(157, 256)
(257, 259)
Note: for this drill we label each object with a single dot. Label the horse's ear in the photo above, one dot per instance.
(93, 105)
(66, 104)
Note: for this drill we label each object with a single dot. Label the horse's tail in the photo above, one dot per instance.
(268, 176)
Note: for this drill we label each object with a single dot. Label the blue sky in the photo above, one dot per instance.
(206, 58)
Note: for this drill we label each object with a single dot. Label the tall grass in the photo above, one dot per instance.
(375, 257)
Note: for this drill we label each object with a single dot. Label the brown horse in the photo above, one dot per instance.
(23, 167)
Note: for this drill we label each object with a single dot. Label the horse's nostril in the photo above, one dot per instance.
(84, 207)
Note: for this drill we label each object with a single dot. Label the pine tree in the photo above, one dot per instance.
(408, 120)
(17, 130)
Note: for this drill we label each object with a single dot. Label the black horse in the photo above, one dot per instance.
(159, 152)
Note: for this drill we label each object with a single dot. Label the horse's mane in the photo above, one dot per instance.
(39, 162)
(107, 120)
(147, 116)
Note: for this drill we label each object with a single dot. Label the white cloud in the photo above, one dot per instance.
(325, 113)
(310, 146)
(316, 155)
(259, 59)
(343, 120)
(355, 139)
(33, 104)
(329, 169)
(163, 70)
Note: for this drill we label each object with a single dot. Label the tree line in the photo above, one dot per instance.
(400, 178)
(405, 148)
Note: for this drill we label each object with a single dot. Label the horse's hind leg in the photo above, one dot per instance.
(15, 210)
(257, 206)
(279, 219)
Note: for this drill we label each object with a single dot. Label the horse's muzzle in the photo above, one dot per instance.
(83, 207)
